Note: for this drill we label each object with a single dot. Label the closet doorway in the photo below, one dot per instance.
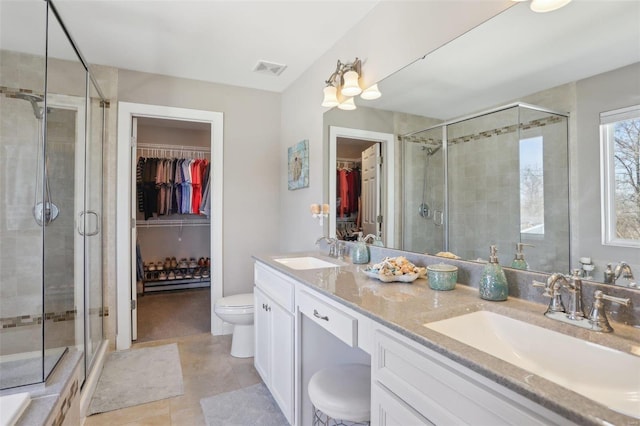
(169, 222)
(371, 156)
(172, 209)
(358, 188)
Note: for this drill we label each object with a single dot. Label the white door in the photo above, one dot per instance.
(370, 192)
(281, 357)
(134, 235)
(261, 327)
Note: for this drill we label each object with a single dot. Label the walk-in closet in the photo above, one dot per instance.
(352, 194)
(172, 170)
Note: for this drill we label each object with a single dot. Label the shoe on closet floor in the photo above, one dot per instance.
(171, 276)
(162, 276)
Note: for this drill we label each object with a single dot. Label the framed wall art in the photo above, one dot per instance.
(298, 165)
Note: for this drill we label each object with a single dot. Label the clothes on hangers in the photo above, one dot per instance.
(171, 186)
(348, 190)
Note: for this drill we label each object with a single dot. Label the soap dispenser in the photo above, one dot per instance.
(360, 252)
(518, 261)
(493, 284)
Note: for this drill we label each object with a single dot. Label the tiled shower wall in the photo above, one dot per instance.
(485, 189)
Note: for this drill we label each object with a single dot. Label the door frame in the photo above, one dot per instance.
(125, 222)
(388, 191)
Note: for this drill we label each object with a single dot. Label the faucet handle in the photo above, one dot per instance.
(542, 285)
(598, 294)
(547, 290)
(597, 316)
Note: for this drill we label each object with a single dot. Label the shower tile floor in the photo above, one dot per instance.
(207, 369)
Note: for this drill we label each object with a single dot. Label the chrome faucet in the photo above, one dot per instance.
(622, 269)
(597, 318)
(332, 243)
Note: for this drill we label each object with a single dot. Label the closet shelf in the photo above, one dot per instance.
(153, 223)
(167, 285)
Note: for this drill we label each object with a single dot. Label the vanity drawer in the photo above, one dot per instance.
(332, 319)
(276, 285)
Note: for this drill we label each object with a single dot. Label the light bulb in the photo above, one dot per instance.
(350, 86)
(330, 97)
(371, 92)
(548, 5)
(347, 105)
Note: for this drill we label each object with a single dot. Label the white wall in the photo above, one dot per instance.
(392, 35)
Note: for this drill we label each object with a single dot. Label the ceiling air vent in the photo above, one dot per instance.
(270, 68)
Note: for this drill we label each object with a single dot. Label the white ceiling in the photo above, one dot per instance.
(209, 40)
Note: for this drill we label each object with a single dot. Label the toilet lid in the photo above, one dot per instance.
(237, 300)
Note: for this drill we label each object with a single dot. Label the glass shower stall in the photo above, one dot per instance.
(52, 125)
(498, 177)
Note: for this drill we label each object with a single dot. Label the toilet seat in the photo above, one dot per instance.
(236, 304)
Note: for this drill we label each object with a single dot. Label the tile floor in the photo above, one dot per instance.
(207, 369)
(164, 315)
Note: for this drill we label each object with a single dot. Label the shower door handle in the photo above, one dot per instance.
(438, 217)
(81, 223)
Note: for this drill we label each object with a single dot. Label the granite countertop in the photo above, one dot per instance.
(405, 308)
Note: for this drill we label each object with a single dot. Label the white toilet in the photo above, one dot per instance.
(238, 310)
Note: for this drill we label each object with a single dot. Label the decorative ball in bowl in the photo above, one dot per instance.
(442, 276)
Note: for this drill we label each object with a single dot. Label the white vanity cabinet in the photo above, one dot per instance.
(415, 385)
(274, 335)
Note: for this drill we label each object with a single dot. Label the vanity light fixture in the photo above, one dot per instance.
(344, 82)
(546, 5)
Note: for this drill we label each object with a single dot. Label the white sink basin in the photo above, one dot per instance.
(604, 375)
(307, 262)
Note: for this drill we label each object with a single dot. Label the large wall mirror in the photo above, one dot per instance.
(497, 141)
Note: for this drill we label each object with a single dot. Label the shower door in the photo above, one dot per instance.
(91, 225)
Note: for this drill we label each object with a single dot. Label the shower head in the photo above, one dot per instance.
(430, 150)
(33, 99)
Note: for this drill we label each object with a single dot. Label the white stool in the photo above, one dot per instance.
(341, 394)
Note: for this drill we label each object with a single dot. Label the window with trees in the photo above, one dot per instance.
(620, 141)
(531, 186)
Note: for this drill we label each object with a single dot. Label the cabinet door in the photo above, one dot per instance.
(261, 328)
(388, 410)
(282, 358)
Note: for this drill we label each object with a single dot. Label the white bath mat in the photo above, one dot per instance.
(136, 377)
(243, 407)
